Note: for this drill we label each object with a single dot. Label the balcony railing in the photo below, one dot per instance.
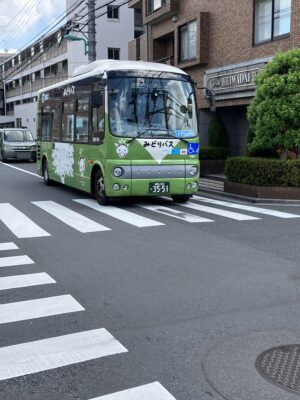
(156, 13)
(166, 60)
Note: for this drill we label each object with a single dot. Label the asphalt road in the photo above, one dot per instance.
(176, 310)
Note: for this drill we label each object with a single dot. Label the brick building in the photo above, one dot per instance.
(223, 45)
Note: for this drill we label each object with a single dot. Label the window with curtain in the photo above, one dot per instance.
(188, 41)
(272, 19)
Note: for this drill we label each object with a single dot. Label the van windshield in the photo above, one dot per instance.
(18, 136)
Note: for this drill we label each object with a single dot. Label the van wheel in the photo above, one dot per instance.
(99, 189)
(181, 198)
(3, 159)
(47, 180)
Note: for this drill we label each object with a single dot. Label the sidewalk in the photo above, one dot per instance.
(214, 185)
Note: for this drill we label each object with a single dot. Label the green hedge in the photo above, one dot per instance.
(213, 153)
(263, 171)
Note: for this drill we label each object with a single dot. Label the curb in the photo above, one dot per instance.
(256, 200)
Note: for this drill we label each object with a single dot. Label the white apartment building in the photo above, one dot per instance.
(53, 58)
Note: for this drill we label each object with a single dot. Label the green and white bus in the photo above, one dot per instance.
(119, 129)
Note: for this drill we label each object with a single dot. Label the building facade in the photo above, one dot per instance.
(223, 45)
(53, 58)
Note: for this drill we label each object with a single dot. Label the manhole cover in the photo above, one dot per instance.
(281, 366)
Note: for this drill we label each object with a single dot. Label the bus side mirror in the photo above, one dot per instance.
(190, 107)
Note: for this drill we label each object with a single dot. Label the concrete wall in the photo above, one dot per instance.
(109, 33)
(27, 112)
(115, 34)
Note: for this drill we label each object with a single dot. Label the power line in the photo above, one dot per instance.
(23, 22)
(56, 22)
(34, 58)
(16, 17)
(98, 8)
(106, 12)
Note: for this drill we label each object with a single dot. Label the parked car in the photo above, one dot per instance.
(17, 144)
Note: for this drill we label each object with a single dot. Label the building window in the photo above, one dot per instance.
(272, 19)
(113, 12)
(188, 41)
(113, 54)
(153, 5)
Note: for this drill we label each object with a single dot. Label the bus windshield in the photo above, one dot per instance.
(15, 135)
(151, 107)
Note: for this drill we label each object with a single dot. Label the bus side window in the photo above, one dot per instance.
(46, 123)
(98, 117)
(67, 128)
(82, 119)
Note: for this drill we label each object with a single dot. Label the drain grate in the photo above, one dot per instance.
(281, 366)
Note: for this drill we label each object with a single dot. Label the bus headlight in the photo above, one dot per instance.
(194, 170)
(117, 172)
(116, 187)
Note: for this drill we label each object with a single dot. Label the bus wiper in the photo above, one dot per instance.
(141, 133)
(174, 137)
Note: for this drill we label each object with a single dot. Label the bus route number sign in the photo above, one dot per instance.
(159, 187)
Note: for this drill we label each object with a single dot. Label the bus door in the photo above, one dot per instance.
(89, 134)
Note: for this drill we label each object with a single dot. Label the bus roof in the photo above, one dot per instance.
(100, 66)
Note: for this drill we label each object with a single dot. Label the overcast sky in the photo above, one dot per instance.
(22, 20)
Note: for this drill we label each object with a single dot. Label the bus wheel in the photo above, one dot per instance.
(47, 180)
(181, 198)
(99, 189)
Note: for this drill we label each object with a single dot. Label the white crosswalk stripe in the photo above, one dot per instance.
(70, 217)
(21, 281)
(152, 391)
(19, 223)
(8, 246)
(31, 309)
(218, 211)
(273, 213)
(122, 215)
(24, 227)
(45, 354)
(174, 213)
(14, 261)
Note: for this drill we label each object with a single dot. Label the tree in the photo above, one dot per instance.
(217, 133)
(274, 113)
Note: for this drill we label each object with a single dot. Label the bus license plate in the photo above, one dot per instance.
(159, 187)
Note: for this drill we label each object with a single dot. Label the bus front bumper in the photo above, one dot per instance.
(153, 180)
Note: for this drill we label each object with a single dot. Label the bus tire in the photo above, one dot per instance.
(181, 198)
(47, 180)
(99, 189)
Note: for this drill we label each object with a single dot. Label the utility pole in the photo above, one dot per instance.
(91, 30)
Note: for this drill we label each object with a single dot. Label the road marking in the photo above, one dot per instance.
(8, 246)
(16, 260)
(31, 309)
(27, 358)
(217, 211)
(20, 169)
(20, 281)
(170, 212)
(153, 391)
(259, 210)
(122, 215)
(70, 217)
(19, 223)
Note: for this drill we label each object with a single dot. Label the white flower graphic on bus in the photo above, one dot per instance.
(63, 160)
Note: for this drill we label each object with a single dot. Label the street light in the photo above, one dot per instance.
(76, 39)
